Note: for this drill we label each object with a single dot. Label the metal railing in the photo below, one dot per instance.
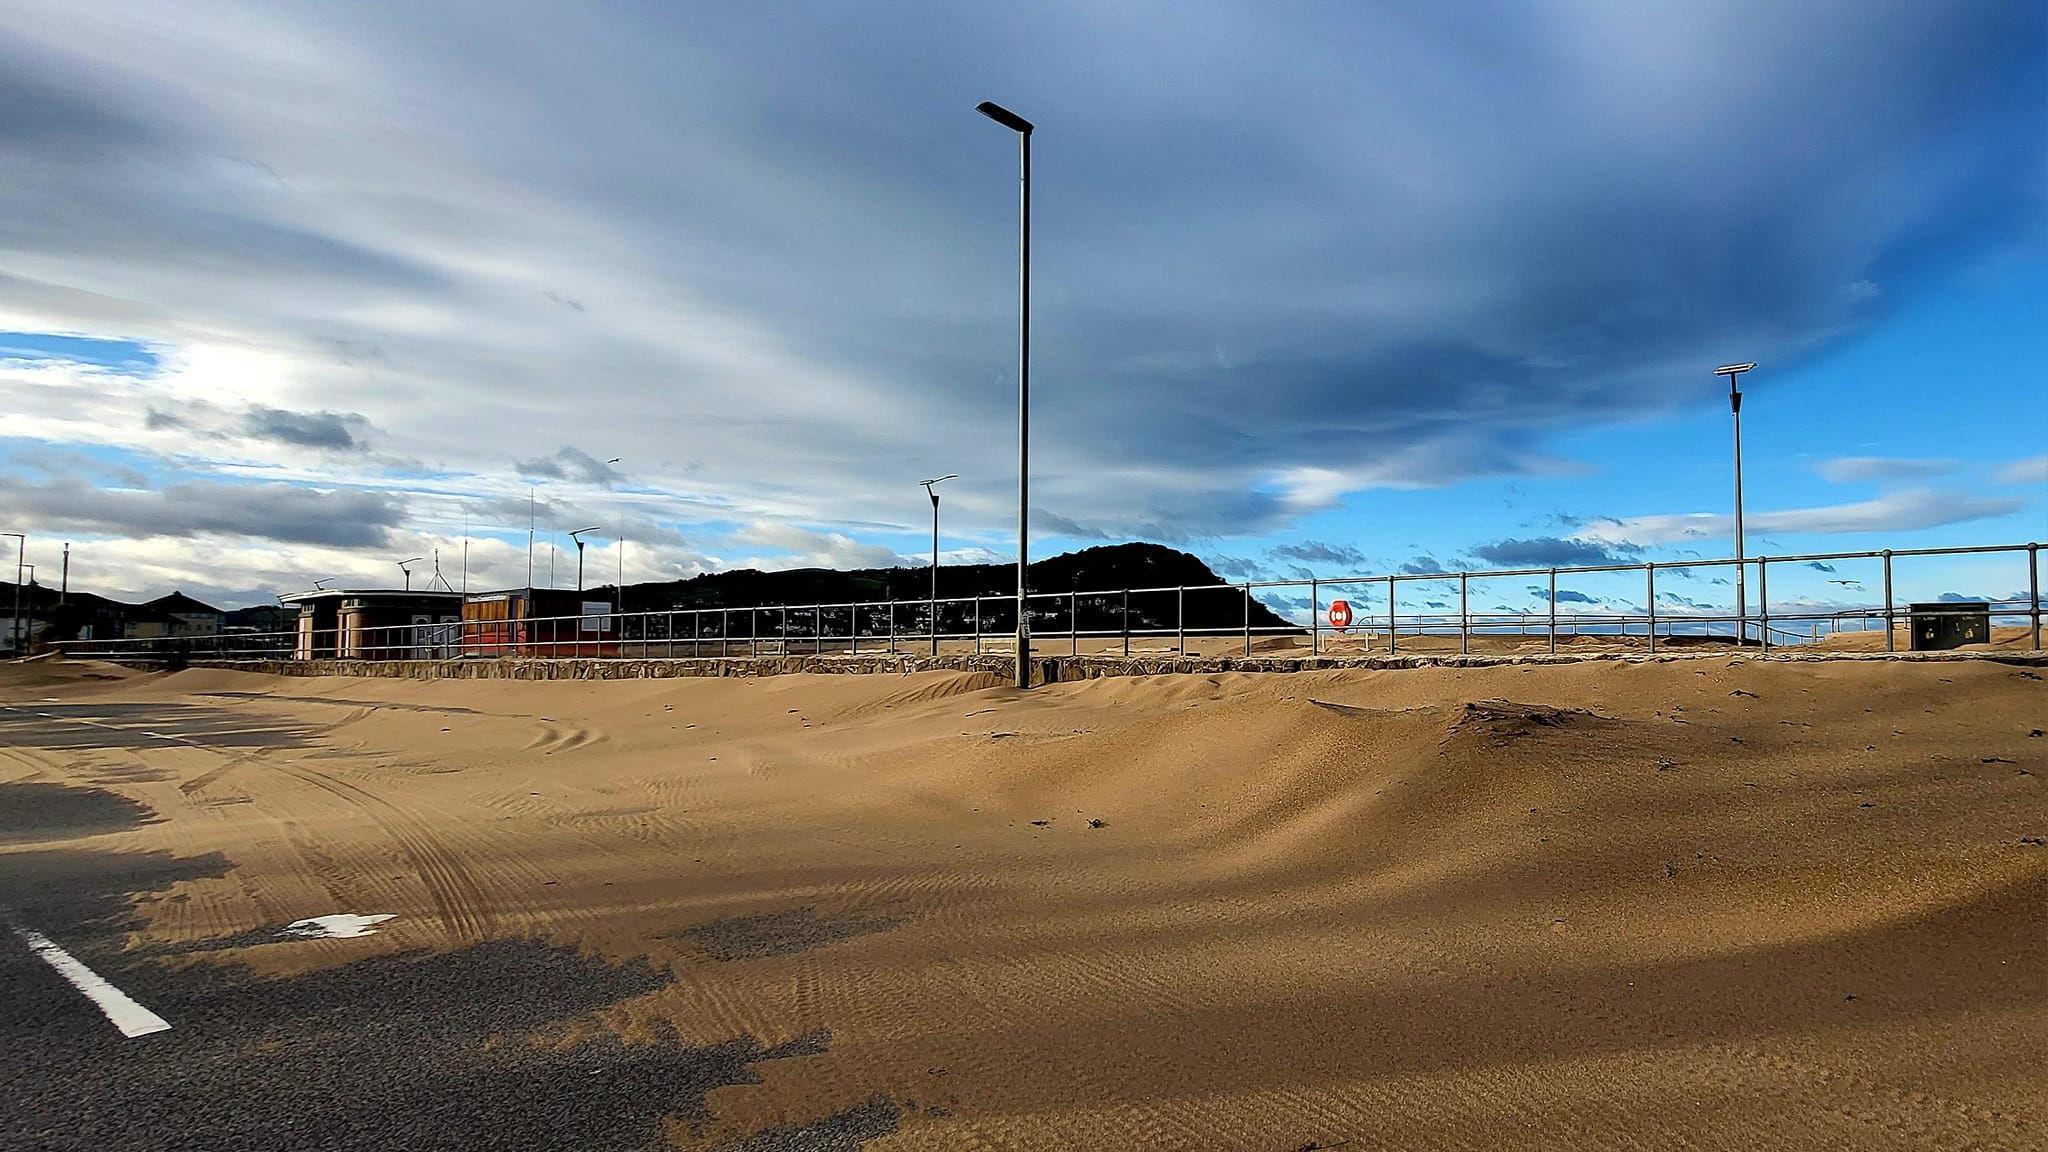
(1109, 621)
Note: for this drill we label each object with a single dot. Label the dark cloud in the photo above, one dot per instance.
(281, 512)
(1817, 566)
(331, 431)
(1318, 552)
(1304, 281)
(1554, 552)
(1564, 595)
(158, 420)
(1241, 567)
(572, 464)
(1423, 565)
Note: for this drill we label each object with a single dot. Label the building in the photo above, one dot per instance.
(175, 616)
(538, 622)
(376, 624)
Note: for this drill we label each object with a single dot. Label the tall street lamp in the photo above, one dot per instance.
(1022, 128)
(1733, 372)
(20, 561)
(933, 492)
(622, 547)
(405, 566)
(577, 536)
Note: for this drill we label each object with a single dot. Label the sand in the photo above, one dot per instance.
(1718, 903)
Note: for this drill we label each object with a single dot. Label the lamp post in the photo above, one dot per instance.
(1022, 128)
(20, 561)
(933, 492)
(622, 547)
(1732, 372)
(577, 536)
(405, 566)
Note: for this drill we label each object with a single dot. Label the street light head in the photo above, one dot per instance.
(1733, 369)
(940, 479)
(414, 560)
(1004, 116)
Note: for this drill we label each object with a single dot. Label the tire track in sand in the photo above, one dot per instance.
(458, 899)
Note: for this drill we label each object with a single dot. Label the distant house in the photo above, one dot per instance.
(375, 624)
(545, 622)
(28, 629)
(174, 615)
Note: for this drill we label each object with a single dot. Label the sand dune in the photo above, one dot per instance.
(1708, 904)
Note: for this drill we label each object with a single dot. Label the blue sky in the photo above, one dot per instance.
(289, 292)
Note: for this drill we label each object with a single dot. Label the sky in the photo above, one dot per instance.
(294, 291)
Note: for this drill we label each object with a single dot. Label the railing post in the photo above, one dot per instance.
(784, 637)
(1891, 643)
(1315, 618)
(853, 629)
(1553, 611)
(2034, 590)
(1464, 613)
(724, 633)
(891, 630)
(1391, 619)
(1247, 617)
(1650, 605)
(1127, 623)
(977, 624)
(1180, 619)
(1073, 622)
(1763, 601)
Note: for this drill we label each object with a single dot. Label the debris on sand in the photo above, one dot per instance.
(1040, 823)
(1745, 692)
(1095, 822)
(1505, 720)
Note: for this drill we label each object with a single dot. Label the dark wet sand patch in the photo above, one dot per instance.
(31, 813)
(784, 933)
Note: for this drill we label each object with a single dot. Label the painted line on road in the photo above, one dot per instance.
(120, 1009)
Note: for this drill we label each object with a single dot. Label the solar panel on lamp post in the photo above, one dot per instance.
(577, 536)
(1023, 129)
(1732, 372)
(933, 492)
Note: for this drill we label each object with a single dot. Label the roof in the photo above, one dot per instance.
(312, 594)
(181, 603)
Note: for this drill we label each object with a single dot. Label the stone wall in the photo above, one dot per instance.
(1046, 670)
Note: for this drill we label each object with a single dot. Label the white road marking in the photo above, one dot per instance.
(131, 1018)
(340, 926)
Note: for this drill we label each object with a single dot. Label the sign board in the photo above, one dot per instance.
(1340, 614)
(594, 613)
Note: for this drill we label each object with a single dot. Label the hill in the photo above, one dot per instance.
(1133, 565)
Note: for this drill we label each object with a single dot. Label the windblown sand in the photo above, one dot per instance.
(1711, 903)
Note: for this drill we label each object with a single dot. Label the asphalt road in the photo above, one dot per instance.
(390, 1052)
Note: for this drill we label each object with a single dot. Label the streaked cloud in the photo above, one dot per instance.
(1902, 511)
(2033, 470)
(1846, 469)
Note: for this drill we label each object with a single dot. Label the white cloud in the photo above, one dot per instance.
(1847, 469)
(814, 549)
(1904, 511)
(2033, 470)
